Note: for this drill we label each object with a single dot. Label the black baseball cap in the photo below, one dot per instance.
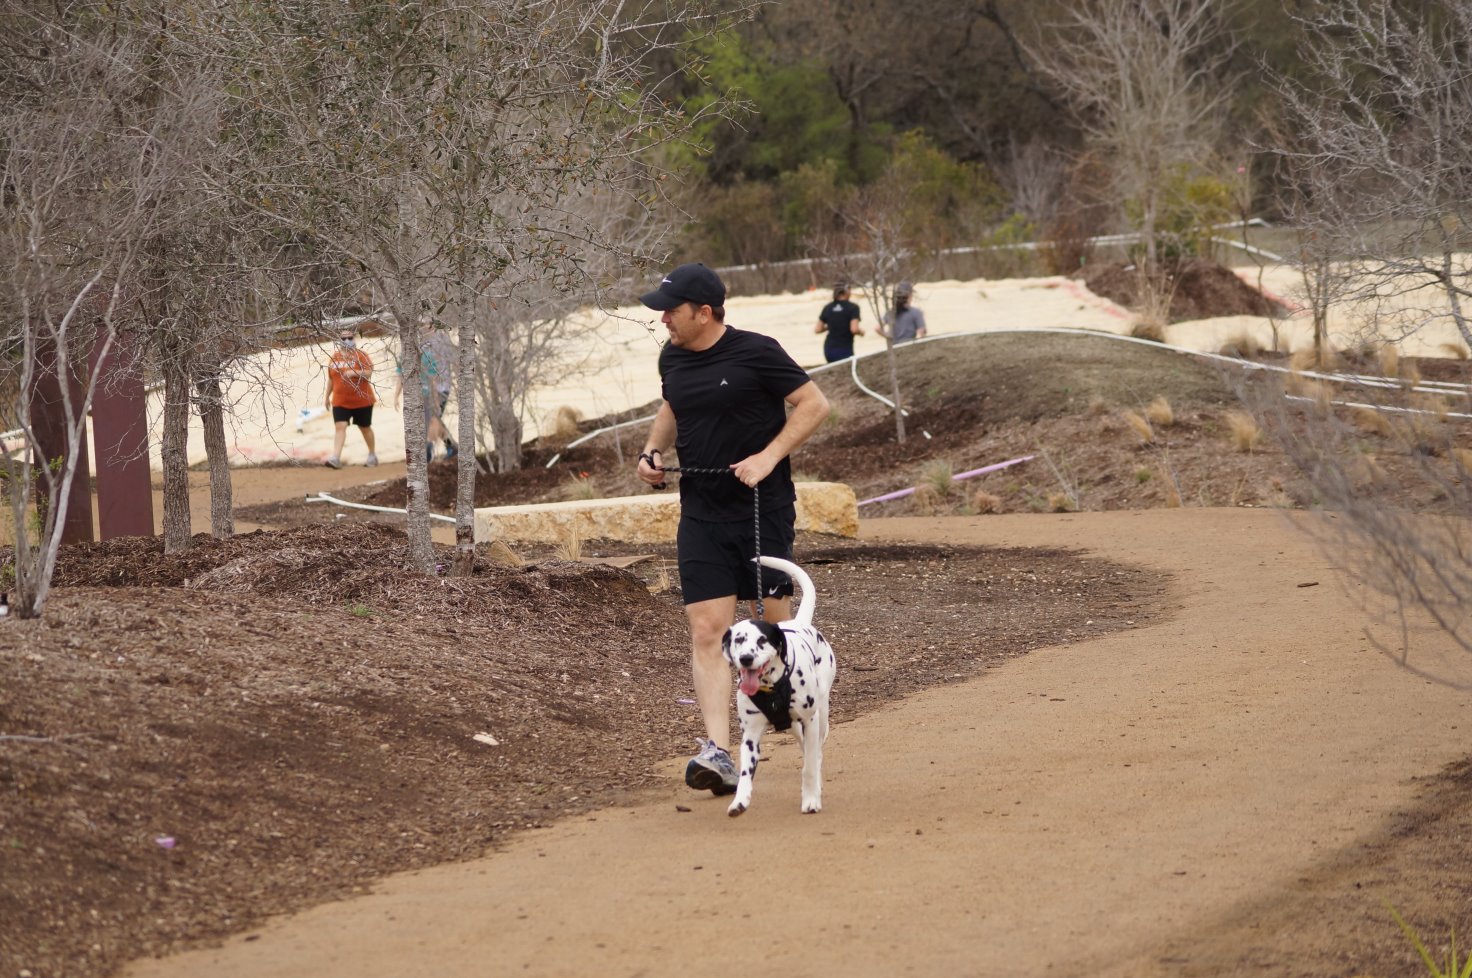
(688, 283)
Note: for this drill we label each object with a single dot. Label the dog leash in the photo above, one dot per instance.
(756, 512)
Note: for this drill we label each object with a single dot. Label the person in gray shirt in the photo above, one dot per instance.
(904, 322)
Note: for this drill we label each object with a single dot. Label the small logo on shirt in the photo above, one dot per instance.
(664, 282)
(723, 382)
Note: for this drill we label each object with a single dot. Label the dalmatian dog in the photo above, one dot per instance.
(786, 671)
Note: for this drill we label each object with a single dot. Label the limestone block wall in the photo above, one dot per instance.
(822, 507)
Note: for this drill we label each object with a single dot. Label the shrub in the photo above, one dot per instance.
(1389, 360)
(1139, 426)
(926, 499)
(1371, 421)
(561, 426)
(1148, 328)
(1242, 344)
(499, 552)
(986, 502)
(1060, 502)
(569, 544)
(1244, 432)
(579, 486)
(937, 474)
(1159, 413)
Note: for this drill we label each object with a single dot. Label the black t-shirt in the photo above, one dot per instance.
(838, 316)
(729, 402)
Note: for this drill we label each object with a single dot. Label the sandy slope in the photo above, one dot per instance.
(1095, 809)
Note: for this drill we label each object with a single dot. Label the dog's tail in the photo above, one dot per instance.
(804, 614)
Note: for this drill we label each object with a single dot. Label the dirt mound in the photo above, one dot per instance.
(1202, 290)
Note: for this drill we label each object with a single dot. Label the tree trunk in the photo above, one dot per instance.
(465, 388)
(416, 522)
(894, 386)
(212, 415)
(174, 447)
(506, 427)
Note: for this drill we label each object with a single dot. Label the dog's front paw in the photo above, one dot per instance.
(737, 807)
(811, 806)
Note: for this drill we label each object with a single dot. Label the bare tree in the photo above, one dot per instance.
(421, 149)
(873, 219)
(1383, 126)
(1381, 123)
(1144, 79)
(82, 182)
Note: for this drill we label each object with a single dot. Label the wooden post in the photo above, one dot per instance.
(120, 436)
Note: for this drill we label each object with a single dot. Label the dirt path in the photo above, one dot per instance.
(1097, 809)
(251, 485)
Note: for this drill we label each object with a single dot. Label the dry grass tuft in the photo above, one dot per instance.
(1371, 421)
(1060, 502)
(1173, 496)
(937, 474)
(1463, 459)
(569, 544)
(1410, 373)
(1242, 344)
(579, 487)
(1159, 412)
(1139, 426)
(986, 502)
(1305, 359)
(500, 552)
(1421, 434)
(926, 499)
(1097, 405)
(1148, 329)
(1318, 391)
(1389, 360)
(661, 582)
(1430, 403)
(1243, 430)
(1456, 351)
(562, 425)
(1365, 470)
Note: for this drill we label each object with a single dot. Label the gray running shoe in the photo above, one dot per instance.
(371, 461)
(712, 770)
(332, 462)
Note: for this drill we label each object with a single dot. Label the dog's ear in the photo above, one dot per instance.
(775, 637)
(726, 642)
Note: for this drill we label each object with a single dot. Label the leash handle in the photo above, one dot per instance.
(649, 457)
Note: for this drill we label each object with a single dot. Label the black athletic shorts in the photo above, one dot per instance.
(716, 558)
(362, 417)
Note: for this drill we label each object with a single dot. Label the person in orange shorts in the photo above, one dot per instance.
(350, 395)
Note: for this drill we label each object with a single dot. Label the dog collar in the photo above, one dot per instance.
(775, 701)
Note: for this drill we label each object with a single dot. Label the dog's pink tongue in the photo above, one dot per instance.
(751, 681)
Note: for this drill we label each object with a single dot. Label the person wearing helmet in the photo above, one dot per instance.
(840, 320)
(903, 322)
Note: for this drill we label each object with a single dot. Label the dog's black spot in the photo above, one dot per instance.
(799, 674)
(752, 713)
(750, 746)
(821, 638)
(810, 702)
